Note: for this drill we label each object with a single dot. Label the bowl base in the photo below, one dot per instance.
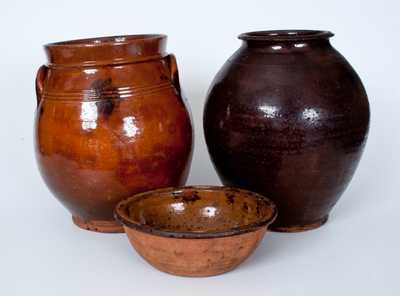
(98, 225)
(299, 228)
(195, 275)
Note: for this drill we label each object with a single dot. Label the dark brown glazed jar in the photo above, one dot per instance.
(110, 123)
(288, 117)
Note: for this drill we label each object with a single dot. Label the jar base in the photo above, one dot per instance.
(98, 225)
(299, 228)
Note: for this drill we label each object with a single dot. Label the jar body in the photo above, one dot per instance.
(288, 119)
(106, 132)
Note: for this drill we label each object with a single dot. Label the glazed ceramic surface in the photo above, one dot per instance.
(288, 117)
(196, 231)
(110, 123)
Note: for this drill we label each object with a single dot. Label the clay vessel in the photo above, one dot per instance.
(288, 117)
(110, 123)
(196, 231)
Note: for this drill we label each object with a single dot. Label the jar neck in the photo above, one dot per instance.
(286, 40)
(286, 46)
(106, 50)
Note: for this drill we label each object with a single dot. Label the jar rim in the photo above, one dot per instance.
(106, 50)
(106, 40)
(285, 35)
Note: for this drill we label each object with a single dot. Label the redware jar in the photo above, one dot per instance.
(110, 123)
(288, 117)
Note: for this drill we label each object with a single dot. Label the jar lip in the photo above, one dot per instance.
(106, 50)
(106, 40)
(285, 35)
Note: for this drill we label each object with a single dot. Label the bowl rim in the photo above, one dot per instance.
(127, 222)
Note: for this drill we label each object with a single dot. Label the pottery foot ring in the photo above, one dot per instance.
(98, 226)
(300, 228)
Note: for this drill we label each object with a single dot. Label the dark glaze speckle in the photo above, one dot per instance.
(258, 208)
(106, 107)
(245, 206)
(164, 77)
(191, 198)
(107, 103)
(230, 198)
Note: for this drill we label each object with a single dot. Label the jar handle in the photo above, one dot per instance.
(40, 79)
(173, 68)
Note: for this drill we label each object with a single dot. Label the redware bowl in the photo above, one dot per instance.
(198, 230)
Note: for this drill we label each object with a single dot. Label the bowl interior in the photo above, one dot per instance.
(198, 210)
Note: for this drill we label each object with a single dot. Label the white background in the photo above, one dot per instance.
(355, 253)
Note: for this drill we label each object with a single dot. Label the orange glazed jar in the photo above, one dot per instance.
(110, 123)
